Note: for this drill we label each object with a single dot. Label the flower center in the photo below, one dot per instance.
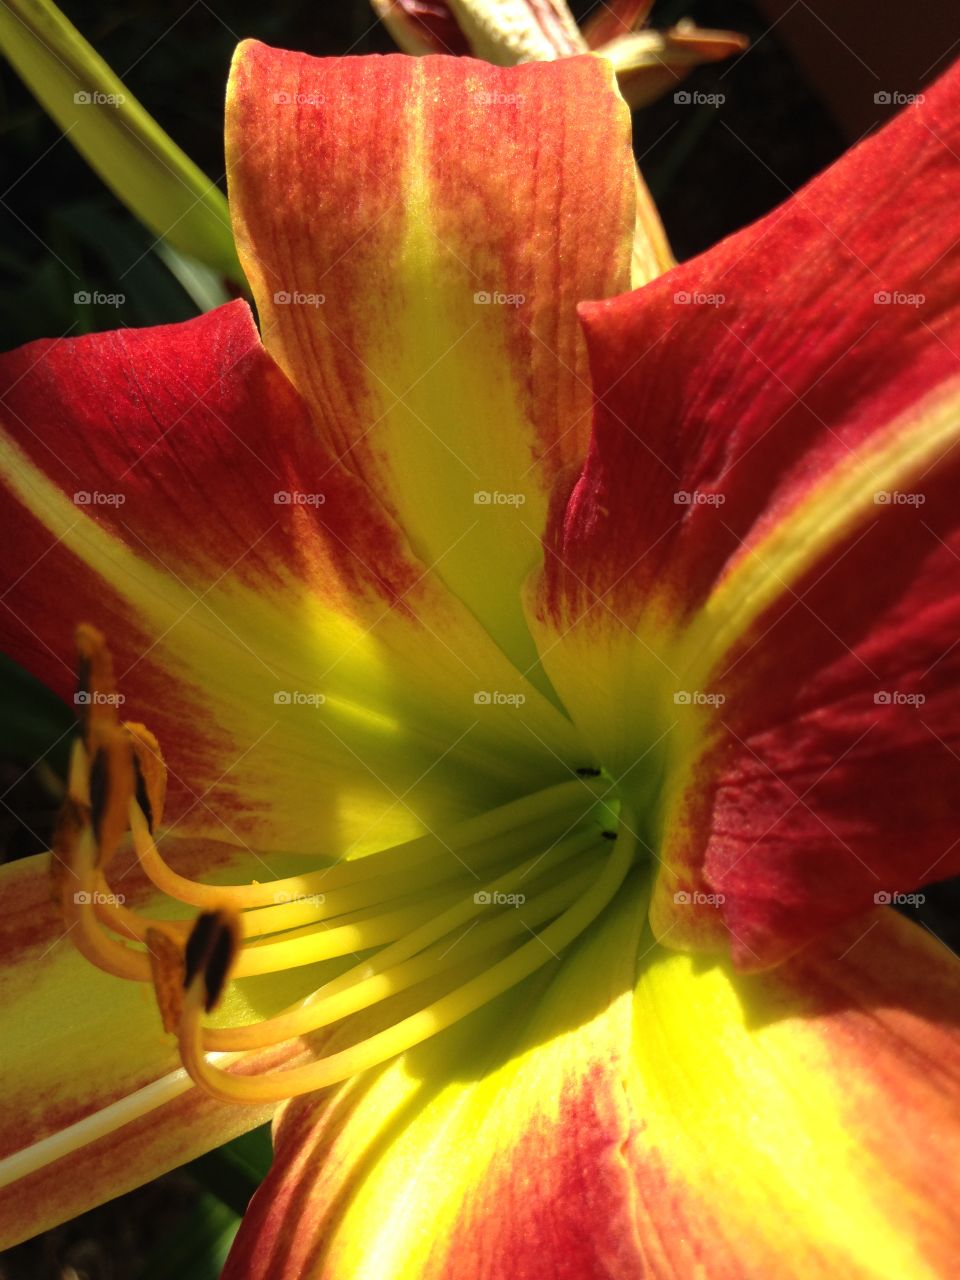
(449, 920)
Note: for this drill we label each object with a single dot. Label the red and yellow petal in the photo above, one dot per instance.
(94, 1099)
(684, 1121)
(313, 685)
(756, 577)
(801, 1121)
(417, 234)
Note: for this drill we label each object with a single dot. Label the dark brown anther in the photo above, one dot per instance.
(218, 967)
(111, 787)
(150, 773)
(213, 942)
(140, 792)
(99, 787)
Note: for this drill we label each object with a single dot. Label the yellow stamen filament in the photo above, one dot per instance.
(361, 931)
(80, 916)
(78, 880)
(442, 1013)
(310, 946)
(129, 923)
(369, 913)
(370, 983)
(551, 803)
(430, 876)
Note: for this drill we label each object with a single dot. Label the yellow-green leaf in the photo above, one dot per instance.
(141, 164)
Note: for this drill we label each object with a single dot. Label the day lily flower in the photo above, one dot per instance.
(648, 62)
(432, 601)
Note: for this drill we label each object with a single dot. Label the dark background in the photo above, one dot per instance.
(801, 94)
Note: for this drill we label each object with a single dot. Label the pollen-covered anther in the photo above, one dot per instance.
(150, 773)
(168, 969)
(211, 948)
(102, 769)
(102, 784)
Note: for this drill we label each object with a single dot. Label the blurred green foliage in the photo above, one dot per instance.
(229, 1176)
